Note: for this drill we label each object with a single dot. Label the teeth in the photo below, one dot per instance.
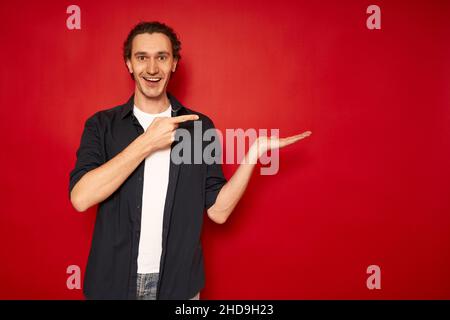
(152, 79)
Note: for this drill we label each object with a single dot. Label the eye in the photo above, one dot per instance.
(141, 58)
(162, 58)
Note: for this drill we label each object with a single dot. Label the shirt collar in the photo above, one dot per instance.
(176, 105)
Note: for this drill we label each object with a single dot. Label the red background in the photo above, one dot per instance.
(370, 186)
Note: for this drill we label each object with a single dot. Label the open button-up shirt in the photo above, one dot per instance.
(111, 271)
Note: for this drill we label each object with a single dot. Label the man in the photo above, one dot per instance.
(146, 241)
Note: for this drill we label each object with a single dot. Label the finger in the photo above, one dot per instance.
(289, 140)
(302, 135)
(299, 136)
(185, 118)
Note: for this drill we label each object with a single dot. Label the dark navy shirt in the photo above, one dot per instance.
(111, 270)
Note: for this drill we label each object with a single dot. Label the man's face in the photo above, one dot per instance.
(151, 63)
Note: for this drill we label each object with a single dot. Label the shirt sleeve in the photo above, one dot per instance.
(89, 154)
(215, 179)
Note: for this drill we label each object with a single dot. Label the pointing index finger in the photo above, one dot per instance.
(185, 118)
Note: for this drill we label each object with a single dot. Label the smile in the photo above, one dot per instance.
(152, 79)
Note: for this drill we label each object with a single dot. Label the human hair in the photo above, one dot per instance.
(152, 27)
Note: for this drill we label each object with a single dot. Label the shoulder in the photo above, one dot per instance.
(105, 116)
(206, 121)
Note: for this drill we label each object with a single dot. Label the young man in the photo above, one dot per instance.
(146, 241)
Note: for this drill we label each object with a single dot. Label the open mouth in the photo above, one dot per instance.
(152, 80)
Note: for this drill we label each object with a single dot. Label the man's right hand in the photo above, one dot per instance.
(161, 132)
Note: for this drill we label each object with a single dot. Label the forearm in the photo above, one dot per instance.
(232, 191)
(99, 183)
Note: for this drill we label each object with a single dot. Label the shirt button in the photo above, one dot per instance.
(138, 206)
(140, 178)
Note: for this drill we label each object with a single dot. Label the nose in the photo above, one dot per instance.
(152, 66)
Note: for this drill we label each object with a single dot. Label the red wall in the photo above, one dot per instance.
(370, 186)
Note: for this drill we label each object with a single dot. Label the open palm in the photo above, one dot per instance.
(264, 143)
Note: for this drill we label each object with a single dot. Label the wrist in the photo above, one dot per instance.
(145, 148)
(252, 155)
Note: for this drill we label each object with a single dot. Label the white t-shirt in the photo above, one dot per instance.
(156, 179)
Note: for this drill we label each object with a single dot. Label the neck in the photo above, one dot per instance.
(151, 105)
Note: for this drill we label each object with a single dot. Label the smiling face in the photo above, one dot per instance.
(151, 64)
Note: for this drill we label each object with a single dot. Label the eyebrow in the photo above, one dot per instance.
(139, 53)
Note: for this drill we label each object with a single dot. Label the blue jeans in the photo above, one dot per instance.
(147, 284)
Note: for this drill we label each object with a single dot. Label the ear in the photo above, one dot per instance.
(130, 69)
(174, 65)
